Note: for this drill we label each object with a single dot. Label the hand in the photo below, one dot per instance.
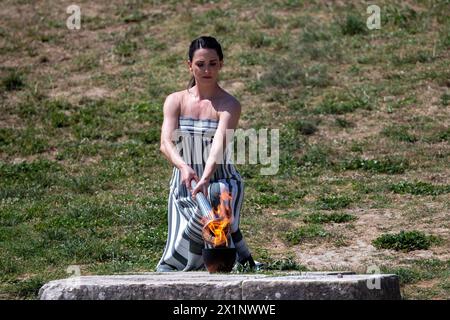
(202, 186)
(188, 174)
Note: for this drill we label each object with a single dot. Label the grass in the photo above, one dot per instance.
(27, 288)
(309, 232)
(389, 165)
(278, 199)
(342, 123)
(418, 271)
(283, 73)
(353, 25)
(336, 217)
(333, 202)
(292, 214)
(445, 99)
(439, 136)
(25, 141)
(305, 127)
(37, 172)
(14, 80)
(405, 241)
(399, 133)
(284, 264)
(258, 40)
(420, 56)
(271, 267)
(341, 104)
(419, 188)
(124, 50)
(315, 156)
(363, 119)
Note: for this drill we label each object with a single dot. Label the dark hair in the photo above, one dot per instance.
(207, 43)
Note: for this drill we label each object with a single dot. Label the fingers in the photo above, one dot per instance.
(201, 189)
(188, 186)
(194, 192)
(196, 179)
(188, 183)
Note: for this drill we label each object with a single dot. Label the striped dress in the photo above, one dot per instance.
(183, 250)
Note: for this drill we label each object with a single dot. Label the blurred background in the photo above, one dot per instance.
(363, 116)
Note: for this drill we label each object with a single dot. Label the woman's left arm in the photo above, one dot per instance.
(228, 120)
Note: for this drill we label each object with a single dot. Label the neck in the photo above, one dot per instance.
(202, 91)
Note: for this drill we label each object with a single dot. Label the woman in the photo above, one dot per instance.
(202, 112)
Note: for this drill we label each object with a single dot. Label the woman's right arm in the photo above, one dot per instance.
(170, 124)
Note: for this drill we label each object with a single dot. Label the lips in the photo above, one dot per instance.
(207, 77)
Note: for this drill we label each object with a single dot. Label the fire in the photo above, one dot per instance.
(216, 227)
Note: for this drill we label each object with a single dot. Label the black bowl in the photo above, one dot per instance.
(219, 259)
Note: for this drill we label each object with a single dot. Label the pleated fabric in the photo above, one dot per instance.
(183, 250)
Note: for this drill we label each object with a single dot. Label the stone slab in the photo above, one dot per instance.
(206, 286)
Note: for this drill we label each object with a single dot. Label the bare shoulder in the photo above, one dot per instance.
(176, 96)
(173, 101)
(231, 104)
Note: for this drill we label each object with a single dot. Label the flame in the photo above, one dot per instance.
(218, 223)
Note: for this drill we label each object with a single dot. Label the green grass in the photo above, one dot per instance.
(341, 104)
(421, 270)
(268, 197)
(292, 214)
(86, 62)
(389, 165)
(315, 155)
(302, 234)
(404, 17)
(413, 58)
(419, 188)
(26, 141)
(336, 217)
(342, 123)
(258, 39)
(405, 241)
(333, 202)
(283, 73)
(305, 127)
(406, 275)
(439, 136)
(284, 264)
(353, 25)
(251, 59)
(445, 99)
(399, 133)
(124, 50)
(35, 171)
(27, 288)
(363, 119)
(14, 80)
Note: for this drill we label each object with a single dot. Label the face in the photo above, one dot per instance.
(205, 65)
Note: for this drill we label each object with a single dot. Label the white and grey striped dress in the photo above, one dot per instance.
(184, 240)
